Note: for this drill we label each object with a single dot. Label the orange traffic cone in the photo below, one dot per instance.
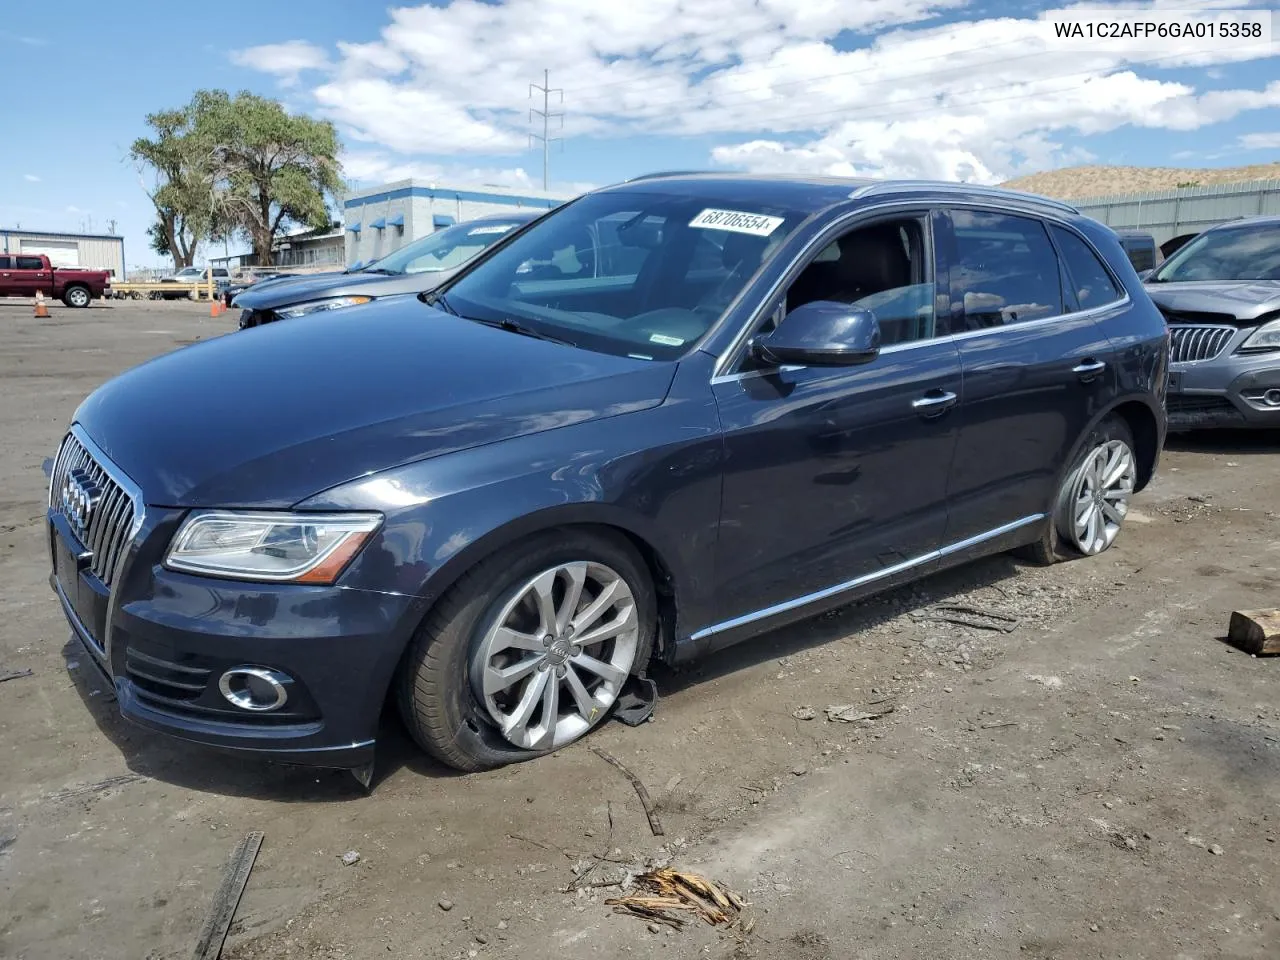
(215, 307)
(41, 309)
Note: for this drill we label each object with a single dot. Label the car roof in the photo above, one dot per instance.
(1267, 220)
(813, 192)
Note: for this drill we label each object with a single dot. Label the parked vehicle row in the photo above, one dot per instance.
(25, 275)
(414, 268)
(665, 417)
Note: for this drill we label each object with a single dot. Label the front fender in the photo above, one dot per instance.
(654, 474)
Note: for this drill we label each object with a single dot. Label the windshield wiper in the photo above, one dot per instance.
(514, 326)
(437, 300)
(389, 273)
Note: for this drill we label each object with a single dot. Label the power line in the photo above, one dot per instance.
(546, 115)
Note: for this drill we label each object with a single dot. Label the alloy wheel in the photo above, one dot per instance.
(1099, 497)
(78, 297)
(558, 654)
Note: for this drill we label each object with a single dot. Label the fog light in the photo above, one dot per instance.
(1272, 398)
(253, 688)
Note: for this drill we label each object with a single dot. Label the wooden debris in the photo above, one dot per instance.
(15, 675)
(1255, 631)
(654, 823)
(214, 933)
(852, 713)
(658, 892)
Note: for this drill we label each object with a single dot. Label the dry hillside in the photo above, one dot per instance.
(1074, 183)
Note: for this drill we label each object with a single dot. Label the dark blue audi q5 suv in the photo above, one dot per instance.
(670, 415)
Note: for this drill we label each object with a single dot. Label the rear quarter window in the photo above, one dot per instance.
(1091, 281)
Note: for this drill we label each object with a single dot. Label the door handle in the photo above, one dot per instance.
(1088, 369)
(934, 403)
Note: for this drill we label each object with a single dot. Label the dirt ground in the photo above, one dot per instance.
(1102, 781)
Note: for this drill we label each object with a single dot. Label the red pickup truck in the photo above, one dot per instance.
(23, 274)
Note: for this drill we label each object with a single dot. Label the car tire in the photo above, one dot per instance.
(77, 296)
(1082, 492)
(450, 683)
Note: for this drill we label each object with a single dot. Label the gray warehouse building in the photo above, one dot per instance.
(89, 251)
(382, 219)
(1174, 216)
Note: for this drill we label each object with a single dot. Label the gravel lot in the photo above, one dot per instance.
(1103, 780)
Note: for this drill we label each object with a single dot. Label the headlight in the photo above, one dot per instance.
(293, 547)
(315, 306)
(1266, 337)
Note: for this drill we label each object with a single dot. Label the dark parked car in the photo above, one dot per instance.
(1141, 249)
(237, 287)
(414, 268)
(670, 415)
(1221, 296)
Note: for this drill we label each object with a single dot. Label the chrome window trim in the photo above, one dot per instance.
(787, 605)
(1012, 207)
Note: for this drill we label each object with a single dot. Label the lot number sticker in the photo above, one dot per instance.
(737, 221)
(500, 228)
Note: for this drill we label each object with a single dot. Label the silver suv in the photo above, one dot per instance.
(1220, 295)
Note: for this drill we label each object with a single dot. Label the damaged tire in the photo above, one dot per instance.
(1092, 501)
(529, 650)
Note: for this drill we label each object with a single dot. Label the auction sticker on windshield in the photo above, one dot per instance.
(737, 221)
(500, 228)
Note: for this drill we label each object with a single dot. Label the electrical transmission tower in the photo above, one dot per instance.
(546, 115)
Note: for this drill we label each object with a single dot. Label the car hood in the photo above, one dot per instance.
(319, 286)
(267, 417)
(1244, 301)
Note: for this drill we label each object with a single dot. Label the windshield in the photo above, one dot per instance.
(445, 249)
(1235, 253)
(633, 273)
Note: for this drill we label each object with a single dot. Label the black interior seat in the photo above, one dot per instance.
(870, 260)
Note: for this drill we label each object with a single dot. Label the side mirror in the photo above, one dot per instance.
(821, 333)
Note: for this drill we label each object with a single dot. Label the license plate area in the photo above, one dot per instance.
(87, 604)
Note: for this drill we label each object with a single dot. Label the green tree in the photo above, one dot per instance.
(272, 170)
(182, 185)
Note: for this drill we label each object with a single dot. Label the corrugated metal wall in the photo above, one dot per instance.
(90, 253)
(1167, 214)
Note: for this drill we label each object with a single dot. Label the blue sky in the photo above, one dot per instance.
(931, 88)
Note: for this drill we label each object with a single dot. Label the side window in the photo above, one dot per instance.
(1141, 254)
(1005, 270)
(30, 263)
(884, 268)
(4, 263)
(1090, 280)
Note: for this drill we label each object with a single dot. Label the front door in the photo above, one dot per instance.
(839, 475)
(1037, 365)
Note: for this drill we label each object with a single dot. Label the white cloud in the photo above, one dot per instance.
(1260, 141)
(285, 60)
(776, 82)
(30, 178)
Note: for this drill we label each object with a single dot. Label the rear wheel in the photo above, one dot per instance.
(529, 650)
(76, 296)
(1093, 498)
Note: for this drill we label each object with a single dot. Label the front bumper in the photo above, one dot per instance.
(1227, 391)
(164, 639)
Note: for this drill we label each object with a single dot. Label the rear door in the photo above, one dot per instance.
(1037, 364)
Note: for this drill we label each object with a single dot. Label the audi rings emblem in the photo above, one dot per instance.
(80, 496)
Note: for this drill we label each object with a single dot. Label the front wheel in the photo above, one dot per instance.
(529, 650)
(76, 297)
(1093, 498)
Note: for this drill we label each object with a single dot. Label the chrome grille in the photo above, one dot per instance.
(111, 521)
(1190, 342)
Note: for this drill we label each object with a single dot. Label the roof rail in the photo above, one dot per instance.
(947, 186)
(663, 173)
